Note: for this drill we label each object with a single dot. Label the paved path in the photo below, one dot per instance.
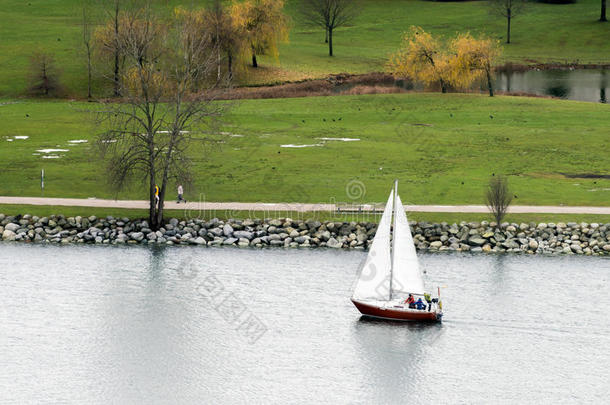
(235, 206)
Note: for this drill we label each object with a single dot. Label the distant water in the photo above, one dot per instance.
(577, 84)
(99, 324)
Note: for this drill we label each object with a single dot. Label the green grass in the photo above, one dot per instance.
(442, 148)
(546, 33)
(48, 210)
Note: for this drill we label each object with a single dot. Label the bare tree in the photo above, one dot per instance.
(602, 17)
(508, 9)
(498, 197)
(44, 75)
(329, 14)
(87, 41)
(154, 130)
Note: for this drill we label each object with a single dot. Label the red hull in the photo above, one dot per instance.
(398, 314)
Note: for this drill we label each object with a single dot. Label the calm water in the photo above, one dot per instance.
(99, 324)
(578, 84)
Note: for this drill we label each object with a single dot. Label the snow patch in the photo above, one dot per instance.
(301, 146)
(51, 150)
(74, 141)
(51, 157)
(340, 139)
(20, 137)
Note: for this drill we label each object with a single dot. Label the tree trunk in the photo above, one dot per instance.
(254, 63)
(88, 72)
(443, 86)
(602, 17)
(489, 85)
(230, 64)
(508, 16)
(330, 42)
(152, 203)
(159, 216)
(117, 91)
(326, 36)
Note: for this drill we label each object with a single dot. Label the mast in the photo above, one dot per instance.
(393, 236)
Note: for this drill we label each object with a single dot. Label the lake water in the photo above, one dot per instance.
(102, 324)
(577, 84)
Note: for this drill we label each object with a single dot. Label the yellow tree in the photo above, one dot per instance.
(474, 60)
(263, 25)
(423, 58)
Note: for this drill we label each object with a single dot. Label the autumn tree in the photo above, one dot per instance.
(43, 75)
(508, 9)
(263, 25)
(156, 127)
(498, 197)
(474, 60)
(423, 58)
(329, 14)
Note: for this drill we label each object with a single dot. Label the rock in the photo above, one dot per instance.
(476, 241)
(227, 230)
(488, 235)
(8, 235)
(486, 248)
(216, 231)
(436, 244)
(311, 224)
(275, 222)
(333, 243)
(151, 236)
(229, 241)
(606, 248)
(243, 234)
(533, 244)
(137, 236)
(11, 227)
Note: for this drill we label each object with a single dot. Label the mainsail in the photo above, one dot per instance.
(374, 280)
(406, 276)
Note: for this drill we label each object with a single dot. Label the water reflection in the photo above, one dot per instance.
(602, 87)
(575, 84)
(394, 355)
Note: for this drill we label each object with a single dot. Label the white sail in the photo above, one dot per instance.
(406, 276)
(374, 280)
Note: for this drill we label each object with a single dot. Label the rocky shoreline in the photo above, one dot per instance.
(541, 238)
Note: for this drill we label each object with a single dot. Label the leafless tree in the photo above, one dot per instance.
(498, 197)
(44, 75)
(158, 125)
(87, 41)
(508, 9)
(329, 14)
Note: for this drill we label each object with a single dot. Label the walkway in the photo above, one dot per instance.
(296, 207)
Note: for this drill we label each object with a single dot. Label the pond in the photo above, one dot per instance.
(100, 324)
(571, 84)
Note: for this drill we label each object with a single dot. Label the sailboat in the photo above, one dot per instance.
(391, 271)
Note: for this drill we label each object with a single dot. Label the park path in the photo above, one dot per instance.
(296, 207)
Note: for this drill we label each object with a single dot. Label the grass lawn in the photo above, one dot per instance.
(546, 33)
(442, 148)
(48, 210)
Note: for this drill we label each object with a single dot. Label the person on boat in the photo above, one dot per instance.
(410, 301)
(428, 300)
(420, 304)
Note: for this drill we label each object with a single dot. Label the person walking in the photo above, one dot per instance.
(156, 195)
(180, 192)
